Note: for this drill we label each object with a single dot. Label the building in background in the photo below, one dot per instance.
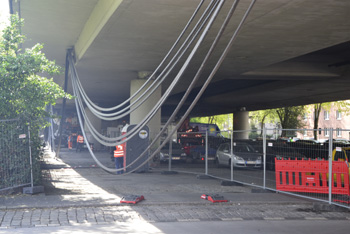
(331, 118)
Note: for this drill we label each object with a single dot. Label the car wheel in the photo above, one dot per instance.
(196, 155)
(189, 160)
(217, 162)
(270, 165)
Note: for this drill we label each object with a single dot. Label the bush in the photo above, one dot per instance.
(24, 93)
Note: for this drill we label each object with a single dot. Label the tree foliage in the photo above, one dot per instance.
(263, 116)
(286, 117)
(25, 91)
(223, 121)
(289, 117)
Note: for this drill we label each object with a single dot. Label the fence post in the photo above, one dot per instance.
(51, 132)
(170, 153)
(264, 156)
(231, 155)
(30, 159)
(206, 152)
(330, 159)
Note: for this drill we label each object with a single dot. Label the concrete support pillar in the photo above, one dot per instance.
(97, 123)
(139, 114)
(241, 123)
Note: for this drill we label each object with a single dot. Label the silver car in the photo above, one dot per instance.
(243, 156)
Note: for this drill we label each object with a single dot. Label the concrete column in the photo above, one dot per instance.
(97, 123)
(241, 122)
(140, 113)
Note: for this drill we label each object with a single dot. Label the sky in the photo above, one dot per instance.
(4, 13)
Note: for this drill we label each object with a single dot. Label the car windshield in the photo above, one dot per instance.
(174, 145)
(243, 148)
(339, 156)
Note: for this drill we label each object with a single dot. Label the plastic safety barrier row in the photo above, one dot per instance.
(311, 176)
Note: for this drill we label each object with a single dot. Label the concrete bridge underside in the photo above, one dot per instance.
(288, 53)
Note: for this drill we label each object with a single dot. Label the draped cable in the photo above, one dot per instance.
(148, 117)
(212, 19)
(156, 70)
(136, 103)
(219, 62)
(205, 85)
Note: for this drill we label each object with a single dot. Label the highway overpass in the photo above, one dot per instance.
(287, 53)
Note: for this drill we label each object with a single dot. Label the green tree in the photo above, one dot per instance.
(223, 121)
(317, 110)
(25, 91)
(262, 116)
(289, 117)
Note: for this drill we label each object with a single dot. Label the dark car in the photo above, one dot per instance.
(199, 151)
(310, 148)
(177, 154)
(280, 150)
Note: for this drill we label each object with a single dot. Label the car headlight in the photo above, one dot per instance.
(258, 158)
(237, 158)
(183, 154)
(162, 155)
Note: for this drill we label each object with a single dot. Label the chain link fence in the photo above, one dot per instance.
(15, 170)
(281, 160)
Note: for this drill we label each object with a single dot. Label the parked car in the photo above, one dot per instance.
(310, 148)
(280, 150)
(244, 156)
(344, 141)
(177, 154)
(198, 152)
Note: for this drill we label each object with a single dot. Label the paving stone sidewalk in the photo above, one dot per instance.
(89, 196)
(19, 218)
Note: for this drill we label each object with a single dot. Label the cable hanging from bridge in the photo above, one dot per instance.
(188, 90)
(156, 107)
(205, 85)
(148, 117)
(154, 72)
(136, 103)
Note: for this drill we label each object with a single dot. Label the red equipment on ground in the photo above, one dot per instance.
(132, 199)
(214, 198)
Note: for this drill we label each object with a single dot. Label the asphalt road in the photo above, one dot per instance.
(240, 227)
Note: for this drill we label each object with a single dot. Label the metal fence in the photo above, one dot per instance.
(15, 169)
(282, 160)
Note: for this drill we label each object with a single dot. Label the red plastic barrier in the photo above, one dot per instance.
(311, 176)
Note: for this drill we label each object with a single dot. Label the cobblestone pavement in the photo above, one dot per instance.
(19, 218)
(71, 196)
